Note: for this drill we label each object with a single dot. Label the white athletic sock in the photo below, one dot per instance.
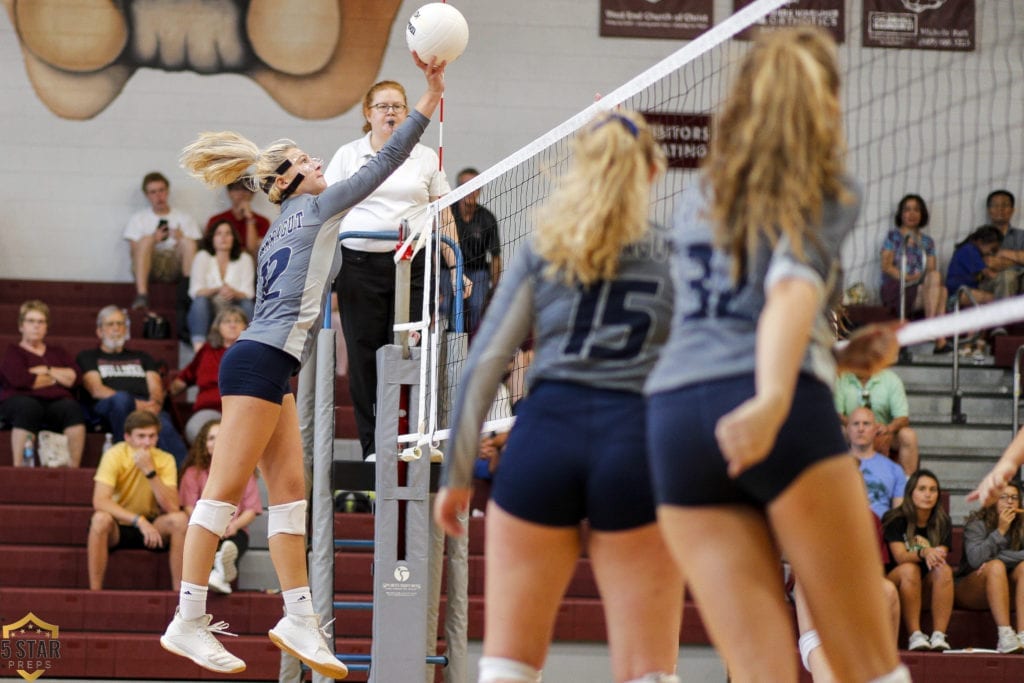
(503, 669)
(901, 674)
(298, 602)
(191, 601)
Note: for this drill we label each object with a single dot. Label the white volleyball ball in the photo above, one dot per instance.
(437, 30)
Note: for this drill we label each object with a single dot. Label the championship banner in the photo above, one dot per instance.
(673, 19)
(827, 14)
(920, 24)
(683, 137)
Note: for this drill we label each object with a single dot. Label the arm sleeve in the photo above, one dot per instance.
(166, 468)
(350, 191)
(200, 266)
(188, 489)
(14, 370)
(505, 326)
(106, 472)
(190, 372)
(980, 545)
(898, 406)
(86, 360)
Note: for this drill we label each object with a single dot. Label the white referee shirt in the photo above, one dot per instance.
(405, 194)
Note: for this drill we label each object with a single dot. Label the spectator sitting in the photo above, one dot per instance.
(970, 279)
(35, 386)
(248, 224)
(163, 240)
(883, 393)
(924, 288)
(991, 569)
(884, 479)
(135, 500)
(222, 275)
(1007, 265)
(235, 540)
(919, 534)
(121, 381)
(205, 368)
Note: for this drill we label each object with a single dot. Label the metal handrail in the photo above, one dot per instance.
(1016, 389)
(903, 281)
(957, 416)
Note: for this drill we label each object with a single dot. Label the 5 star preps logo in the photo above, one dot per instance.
(30, 646)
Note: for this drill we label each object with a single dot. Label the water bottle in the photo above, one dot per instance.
(108, 442)
(29, 454)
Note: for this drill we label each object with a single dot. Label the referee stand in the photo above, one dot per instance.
(408, 547)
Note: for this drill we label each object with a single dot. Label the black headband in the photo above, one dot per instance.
(269, 182)
(296, 181)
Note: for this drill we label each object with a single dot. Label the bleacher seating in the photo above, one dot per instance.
(114, 633)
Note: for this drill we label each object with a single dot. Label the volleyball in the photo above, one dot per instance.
(437, 30)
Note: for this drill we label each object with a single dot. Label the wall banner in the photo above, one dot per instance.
(920, 24)
(673, 19)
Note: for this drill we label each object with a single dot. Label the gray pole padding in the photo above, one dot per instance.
(305, 401)
(321, 554)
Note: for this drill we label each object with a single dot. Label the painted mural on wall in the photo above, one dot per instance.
(315, 58)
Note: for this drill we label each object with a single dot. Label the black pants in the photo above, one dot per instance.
(366, 297)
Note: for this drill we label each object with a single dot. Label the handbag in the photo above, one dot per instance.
(53, 449)
(156, 327)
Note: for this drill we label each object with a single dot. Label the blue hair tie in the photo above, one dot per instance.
(626, 123)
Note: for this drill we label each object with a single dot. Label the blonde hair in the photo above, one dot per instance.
(601, 204)
(368, 98)
(219, 159)
(33, 305)
(777, 148)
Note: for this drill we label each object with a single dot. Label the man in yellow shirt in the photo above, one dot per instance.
(135, 500)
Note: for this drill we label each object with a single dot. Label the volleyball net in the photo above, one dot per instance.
(946, 125)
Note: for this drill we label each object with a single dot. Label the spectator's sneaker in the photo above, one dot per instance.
(226, 561)
(217, 582)
(141, 302)
(1008, 642)
(303, 638)
(194, 640)
(938, 642)
(918, 641)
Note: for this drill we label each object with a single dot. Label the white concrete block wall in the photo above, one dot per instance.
(67, 187)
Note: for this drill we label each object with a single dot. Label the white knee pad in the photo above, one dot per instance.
(503, 669)
(656, 677)
(809, 640)
(287, 518)
(212, 515)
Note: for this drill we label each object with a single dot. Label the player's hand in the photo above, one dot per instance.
(993, 484)
(451, 510)
(434, 71)
(746, 434)
(870, 349)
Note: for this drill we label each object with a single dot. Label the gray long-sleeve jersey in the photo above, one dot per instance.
(607, 336)
(299, 258)
(714, 328)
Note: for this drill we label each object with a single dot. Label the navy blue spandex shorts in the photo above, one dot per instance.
(577, 453)
(688, 468)
(250, 368)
